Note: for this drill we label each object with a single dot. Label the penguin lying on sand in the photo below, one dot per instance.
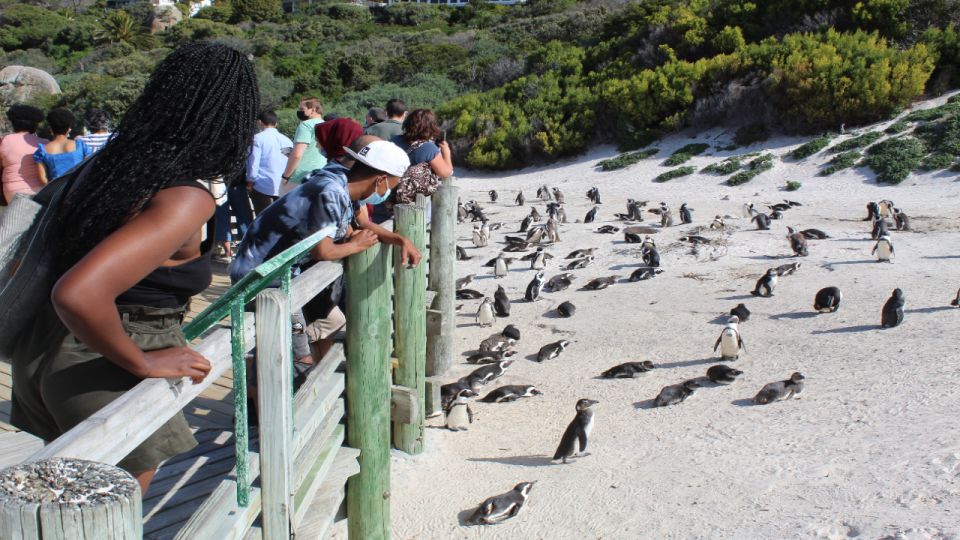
(608, 229)
(559, 282)
(502, 507)
(577, 432)
(600, 283)
(580, 253)
(723, 374)
(566, 309)
(741, 313)
(632, 238)
(675, 393)
(577, 264)
(814, 234)
(552, 350)
(488, 373)
(827, 300)
(463, 282)
(512, 332)
(497, 343)
(644, 273)
(787, 269)
(462, 254)
(450, 391)
(511, 392)
(628, 370)
(780, 390)
(489, 357)
(468, 294)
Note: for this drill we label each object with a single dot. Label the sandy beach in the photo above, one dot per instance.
(870, 449)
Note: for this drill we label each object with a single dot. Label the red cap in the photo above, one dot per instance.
(332, 136)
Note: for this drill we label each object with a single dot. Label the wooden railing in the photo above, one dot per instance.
(302, 465)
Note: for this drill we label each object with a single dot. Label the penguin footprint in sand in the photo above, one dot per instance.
(577, 432)
(502, 507)
(780, 390)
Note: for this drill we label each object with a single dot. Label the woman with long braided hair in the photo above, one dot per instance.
(128, 245)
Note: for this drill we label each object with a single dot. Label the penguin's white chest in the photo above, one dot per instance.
(589, 427)
(538, 263)
(884, 251)
(729, 344)
(501, 268)
(485, 314)
(457, 417)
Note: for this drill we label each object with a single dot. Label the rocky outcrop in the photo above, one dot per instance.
(19, 84)
(164, 17)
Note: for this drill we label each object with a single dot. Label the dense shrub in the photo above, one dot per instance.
(937, 161)
(810, 147)
(934, 113)
(727, 166)
(682, 155)
(855, 143)
(841, 162)
(793, 185)
(893, 159)
(626, 159)
(761, 163)
(675, 173)
(897, 127)
(23, 26)
(742, 177)
(255, 10)
(753, 133)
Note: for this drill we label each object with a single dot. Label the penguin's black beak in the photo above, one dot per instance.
(536, 392)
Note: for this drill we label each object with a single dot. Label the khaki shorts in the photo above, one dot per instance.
(326, 327)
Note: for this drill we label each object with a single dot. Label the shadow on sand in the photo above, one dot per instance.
(688, 363)
(930, 309)
(645, 404)
(746, 402)
(536, 460)
(739, 297)
(848, 329)
(795, 315)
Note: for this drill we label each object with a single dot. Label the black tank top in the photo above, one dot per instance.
(172, 286)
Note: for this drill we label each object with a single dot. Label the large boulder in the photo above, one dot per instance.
(164, 17)
(19, 84)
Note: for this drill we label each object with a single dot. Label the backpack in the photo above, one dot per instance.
(418, 178)
(26, 263)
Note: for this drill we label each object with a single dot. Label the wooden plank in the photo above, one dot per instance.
(432, 405)
(428, 298)
(326, 504)
(442, 263)
(308, 284)
(405, 408)
(275, 398)
(317, 475)
(313, 447)
(17, 446)
(312, 414)
(114, 431)
(434, 322)
(313, 388)
(219, 517)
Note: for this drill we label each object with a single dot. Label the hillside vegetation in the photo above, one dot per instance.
(537, 82)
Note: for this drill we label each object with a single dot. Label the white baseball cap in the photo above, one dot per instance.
(382, 156)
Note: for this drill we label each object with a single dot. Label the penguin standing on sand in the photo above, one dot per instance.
(591, 215)
(558, 195)
(520, 200)
(798, 243)
(766, 284)
(539, 259)
(479, 239)
(685, 216)
(873, 212)
(883, 249)
(827, 300)
(525, 223)
(780, 390)
(666, 216)
(578, 432)
(534, 288)
(553, 230)
(880, 228)
(462, 254)
(650, 256)
(459, 415)
(534, 214)
(501, 507)
(493, 195)
(485, 313)
(501, 304)
(901, 220)
(501, 267)
(956, 301)
(892, 314)
(762, 221)
(723, 374)
(730, 342)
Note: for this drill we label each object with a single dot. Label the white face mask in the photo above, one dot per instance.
(375, 198)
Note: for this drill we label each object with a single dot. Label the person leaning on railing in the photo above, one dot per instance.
(127, 240)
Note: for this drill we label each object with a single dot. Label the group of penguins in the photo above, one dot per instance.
(494, 352)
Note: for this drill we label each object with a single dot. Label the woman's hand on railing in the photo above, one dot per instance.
(176, 362)
(409, 254)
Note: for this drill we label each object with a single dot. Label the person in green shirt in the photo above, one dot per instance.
(305, 157)
(393, 125)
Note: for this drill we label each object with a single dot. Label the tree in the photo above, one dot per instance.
(256, 10)
(120, 27)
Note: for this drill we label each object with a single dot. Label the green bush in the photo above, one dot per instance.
(810, 147)
(855, 143)
(761, 163)
(897, 127)
(742, 177)
(256, 10)
(753, 133)
(683, 154)
(793, 185)
(23, 26)
(942, 136)
(935, 113)
(937, 161)
(627, 159)
(841, 161)
(727, 166)
(955, 168)
(675, 173)
(893, 159)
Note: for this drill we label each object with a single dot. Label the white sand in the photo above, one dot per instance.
(871, 449)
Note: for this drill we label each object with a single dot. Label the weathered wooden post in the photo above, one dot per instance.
(410, 319)
(443, 257)
(69, 498)
(368, 391)
(274, 387)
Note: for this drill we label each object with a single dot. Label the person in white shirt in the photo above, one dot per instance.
(267, 161)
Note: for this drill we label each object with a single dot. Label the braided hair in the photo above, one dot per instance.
(194, 120)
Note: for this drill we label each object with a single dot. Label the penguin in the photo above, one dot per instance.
(566, 309)
(633, 208)
(741, 313)
(873, 212)
(748, 210)
(685, 216)
(779, 207)
(723, 374)
(694, 239)
(730, 342)
(535, 234)
(762, 221)
(534, 215)
(459, 415)
(650, 256)
(493, 195)
(580, 253)
(496, 342)
(485, 313)
(880, 229)
(561, 215)
(489, 357)
(827, 300)
(462, 212)
(901, 220)
(559, 282)
(591, 215)
(487, 373)
(520, 199)
(525, 224)
(632, 238)
(515, 247)
(600, 283)
(644, 273)
(814, 234)
(718, 223)
(558, 195)
(450, 392)
(956, 301)
(628, 370)
(468, 294)
(798, 243)
(552, 350)
(766, 284)
(792, 203)
(885, 208)
(675, 393)
(892, 314)
(501, 267)
(787, 269)
(502, 507)
(534, 288)
(666, 216)
(479, 239)
(776, 214)
(511, 392)
(780, 390)
(501, 304)
(462, 254)
(578, 432)
(553, 230)
(884, 249)
(485, 228)
(577, 264)
(463, 282)
(593, 194)
(649, 242)
(511, 331)
(608, 229)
